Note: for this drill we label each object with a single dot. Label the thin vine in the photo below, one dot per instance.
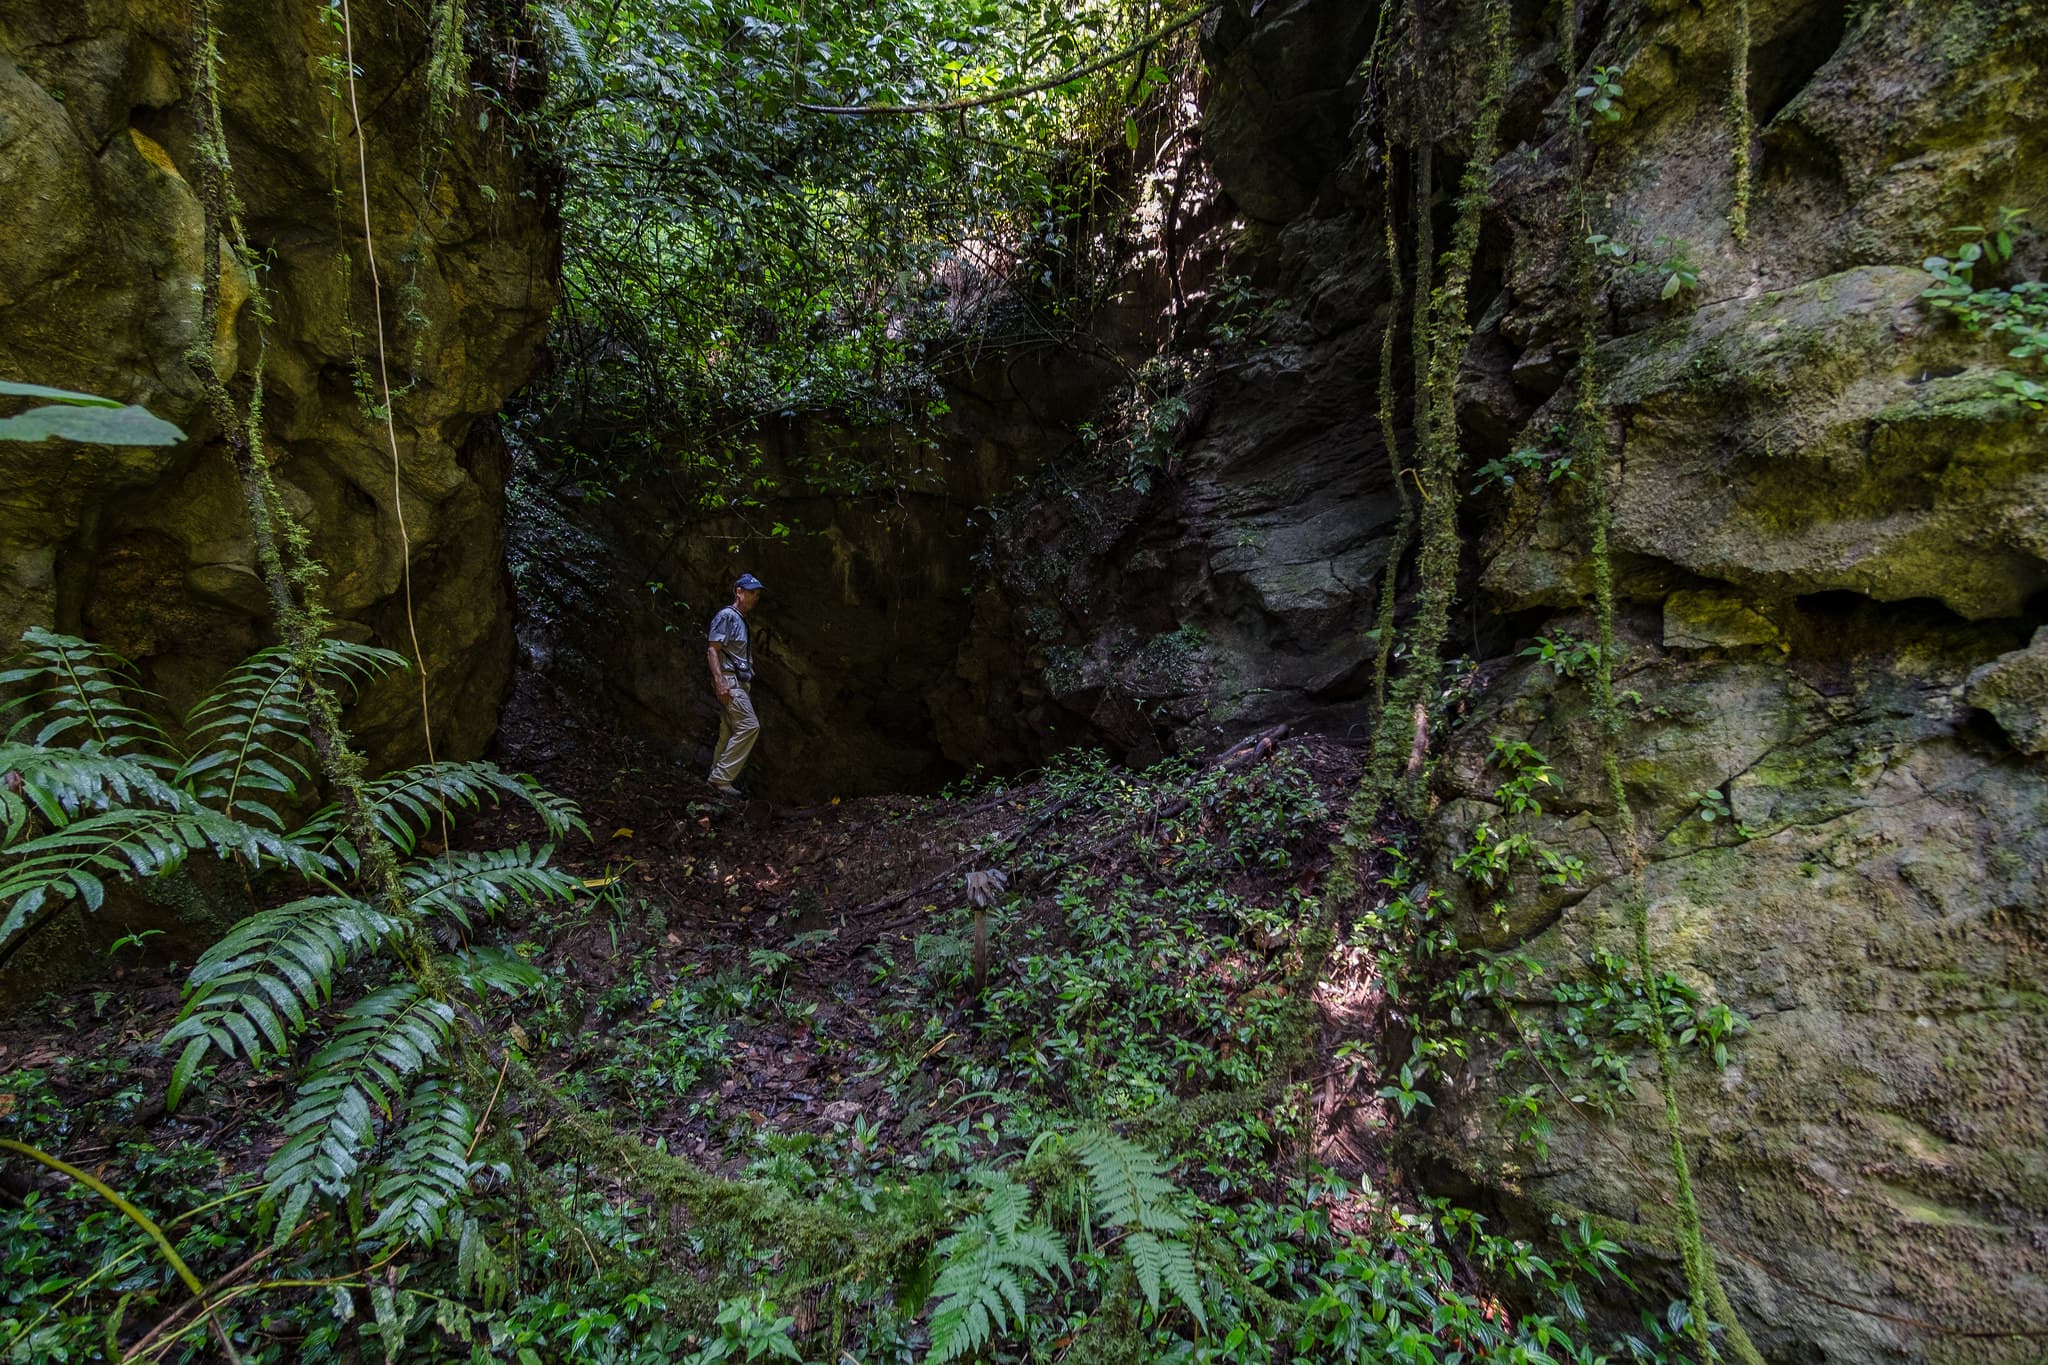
(1437, 440)
(1741, 128)
(283, 546)
(1590, 434)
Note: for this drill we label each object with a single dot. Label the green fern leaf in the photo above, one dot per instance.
(404, 806)
(1128, 1183)
(1159, 1261)
(79, 858)
(566, 46)
(55, 785)
(484, 970)
(980, 1289)
(457, 883)
(381, 1040)
(479, 1271)
(430, 1169)
(251, 734)
(256, 987)
(73, 692)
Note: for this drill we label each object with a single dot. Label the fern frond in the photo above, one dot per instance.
(457, 883)
(255, 988)
(566, 47)
(56, 784)
(405, 805)
(944, 955)
(431, 1169)
(1128, 1183)
(1159, 1261)
(251, 734)
(980, 1288)
(480, 1272)
(483, 970)
(79, 858)
(74, 692)
(381, 1040)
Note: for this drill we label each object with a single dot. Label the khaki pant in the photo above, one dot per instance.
(738, 728)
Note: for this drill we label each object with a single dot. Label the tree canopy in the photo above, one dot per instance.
(732, 250)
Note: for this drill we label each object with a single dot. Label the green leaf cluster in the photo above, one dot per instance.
(93, 789)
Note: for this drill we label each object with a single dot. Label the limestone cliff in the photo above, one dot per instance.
(148, 551)
(1829, 542)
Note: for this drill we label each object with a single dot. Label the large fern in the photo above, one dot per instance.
(252, 735)
(565, 46)
(71, 691)
(255, 988)
(381, 1041)
(79, 858)
(981, 1285)
(431, 1167)
(457, 883)
(56, 785)
(404, 806)
(92, 789)
(1129, 1189)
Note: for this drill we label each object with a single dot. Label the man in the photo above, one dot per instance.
(732, 672)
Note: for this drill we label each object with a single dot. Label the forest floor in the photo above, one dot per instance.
(790, 996)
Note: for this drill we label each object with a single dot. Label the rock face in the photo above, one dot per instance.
(148, 551)
(1829, 548)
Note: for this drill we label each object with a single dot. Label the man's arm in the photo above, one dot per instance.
(718, 687)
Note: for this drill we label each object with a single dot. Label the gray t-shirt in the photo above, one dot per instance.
(729, 633)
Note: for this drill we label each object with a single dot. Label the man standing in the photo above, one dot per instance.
(732, 673)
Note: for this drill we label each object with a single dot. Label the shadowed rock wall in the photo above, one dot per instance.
(1831, 543)
(148, 551)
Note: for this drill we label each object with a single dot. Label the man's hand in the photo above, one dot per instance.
(724, 695)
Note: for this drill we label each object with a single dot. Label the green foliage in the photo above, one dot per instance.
(405, 806)
(71, 692)
(1139, 435)
(748, 1329)
(96, 793)
(379, 1043)
(1566, 654)
(2019, 313)
(1668, 258)
(102, 793)
(83, 417)
(986, 1268)
(730, 255)
(250, 734)
(430, 1168)
(1528, 462)
(1603, 93)
(80, 857)
(255, 988)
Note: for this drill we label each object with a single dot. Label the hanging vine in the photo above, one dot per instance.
(1437, 449)
(1440, 334)
(283, 547)
(1404, 525)
(1741, 129)
(1590, 437)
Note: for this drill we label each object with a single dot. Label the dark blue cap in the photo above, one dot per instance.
(747, 580)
